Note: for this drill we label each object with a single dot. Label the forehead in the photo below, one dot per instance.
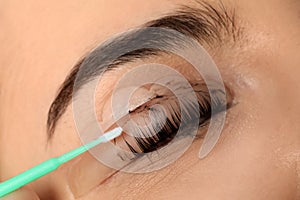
(53, 35)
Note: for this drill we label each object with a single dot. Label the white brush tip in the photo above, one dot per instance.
(110, 135)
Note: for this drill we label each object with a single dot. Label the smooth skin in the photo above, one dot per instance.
(258, 155)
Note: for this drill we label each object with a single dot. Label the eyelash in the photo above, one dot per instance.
(163, 131)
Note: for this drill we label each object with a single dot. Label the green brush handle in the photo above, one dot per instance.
(40, 170)
(28, 176)
(52, 164)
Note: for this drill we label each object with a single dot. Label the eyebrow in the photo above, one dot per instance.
(208, 23)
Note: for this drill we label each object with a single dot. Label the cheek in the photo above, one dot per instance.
(262, 130)
(240, 166)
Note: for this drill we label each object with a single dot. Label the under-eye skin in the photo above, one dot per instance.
(167, 116)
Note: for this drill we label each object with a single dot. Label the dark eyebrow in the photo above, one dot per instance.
(208, 23)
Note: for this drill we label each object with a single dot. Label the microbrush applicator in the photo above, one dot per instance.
(52, 164)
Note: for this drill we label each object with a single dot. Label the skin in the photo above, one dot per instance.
(258, 155)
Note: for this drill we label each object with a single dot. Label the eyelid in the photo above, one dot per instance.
(107, 118)
(203, 96)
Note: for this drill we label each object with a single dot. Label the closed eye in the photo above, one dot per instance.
(157, 121)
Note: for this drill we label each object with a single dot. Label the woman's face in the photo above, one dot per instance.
(256, 50)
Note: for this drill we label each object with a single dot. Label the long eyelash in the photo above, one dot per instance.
(166, 130)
